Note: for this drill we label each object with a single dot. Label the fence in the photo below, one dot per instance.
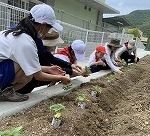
(10, 15)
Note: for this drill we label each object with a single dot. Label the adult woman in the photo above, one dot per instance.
(109, 57)
(19, 60)
(128, 52)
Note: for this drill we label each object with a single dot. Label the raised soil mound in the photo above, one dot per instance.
(121, 109)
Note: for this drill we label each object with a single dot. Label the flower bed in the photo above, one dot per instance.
(121, 108)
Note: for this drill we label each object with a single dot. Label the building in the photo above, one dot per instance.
(87, 14)
(116, 24)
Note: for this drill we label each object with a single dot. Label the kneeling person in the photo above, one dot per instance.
(128, 52)
(95, 62)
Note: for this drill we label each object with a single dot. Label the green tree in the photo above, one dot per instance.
(135, 32)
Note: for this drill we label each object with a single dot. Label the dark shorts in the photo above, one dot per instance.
(7, 73)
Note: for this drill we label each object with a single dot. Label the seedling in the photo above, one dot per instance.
(110, 78)
(57, 108)
(13, 132)
(81, 99)
(87, 71)
(67, 87)
(95, 90)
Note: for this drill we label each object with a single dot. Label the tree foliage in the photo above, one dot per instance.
(139, 19)
(134, 31)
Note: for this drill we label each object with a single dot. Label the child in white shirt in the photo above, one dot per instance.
(109, 57)
(95, 62)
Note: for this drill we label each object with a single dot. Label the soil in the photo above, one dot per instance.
(121, 109)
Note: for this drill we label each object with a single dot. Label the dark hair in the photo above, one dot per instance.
(71, 51)
(24, 26)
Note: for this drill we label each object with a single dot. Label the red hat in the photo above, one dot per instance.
(101, 49)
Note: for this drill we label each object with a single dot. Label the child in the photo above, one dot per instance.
(19, 61)
(76, 51)
(95, 62)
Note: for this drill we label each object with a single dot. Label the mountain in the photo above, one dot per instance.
(140, 19)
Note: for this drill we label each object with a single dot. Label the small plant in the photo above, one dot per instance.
(110, 78)
(87, 71)
(67, 87)
(95, 90)
(57, 108)
(13, 132)
(81, 99)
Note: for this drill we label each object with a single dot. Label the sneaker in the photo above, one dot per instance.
(9, 94)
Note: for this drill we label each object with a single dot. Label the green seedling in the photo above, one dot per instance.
(110, 78)
(96, 88)
(57, 108)
(87, 71)
(67, 87)
(81, 98)
(13, 132)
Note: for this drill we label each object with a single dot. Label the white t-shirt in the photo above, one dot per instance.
(92, 59)
(123, 49)
(109, 58)
(22, 50)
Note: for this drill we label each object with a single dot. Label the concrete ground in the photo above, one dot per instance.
(44, 92)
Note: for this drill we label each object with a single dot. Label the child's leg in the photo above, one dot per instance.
(20, 78)
(94, 68)
(12, 74)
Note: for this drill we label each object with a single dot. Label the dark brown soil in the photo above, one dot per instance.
(121, 109)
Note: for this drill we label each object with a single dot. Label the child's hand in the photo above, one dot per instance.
(65, 79)
(120, 72)
(135, 59)
(100, 62)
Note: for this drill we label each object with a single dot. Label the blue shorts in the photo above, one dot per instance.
(7, 73)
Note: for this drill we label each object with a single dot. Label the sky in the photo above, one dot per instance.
(127, 6)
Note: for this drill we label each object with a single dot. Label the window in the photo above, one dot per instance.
(31, 4)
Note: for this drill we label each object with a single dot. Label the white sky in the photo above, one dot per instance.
(127, 6)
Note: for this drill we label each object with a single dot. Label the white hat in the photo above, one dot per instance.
(43, 13)
(78, 47)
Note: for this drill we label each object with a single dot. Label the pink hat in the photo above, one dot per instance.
(78, 47)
